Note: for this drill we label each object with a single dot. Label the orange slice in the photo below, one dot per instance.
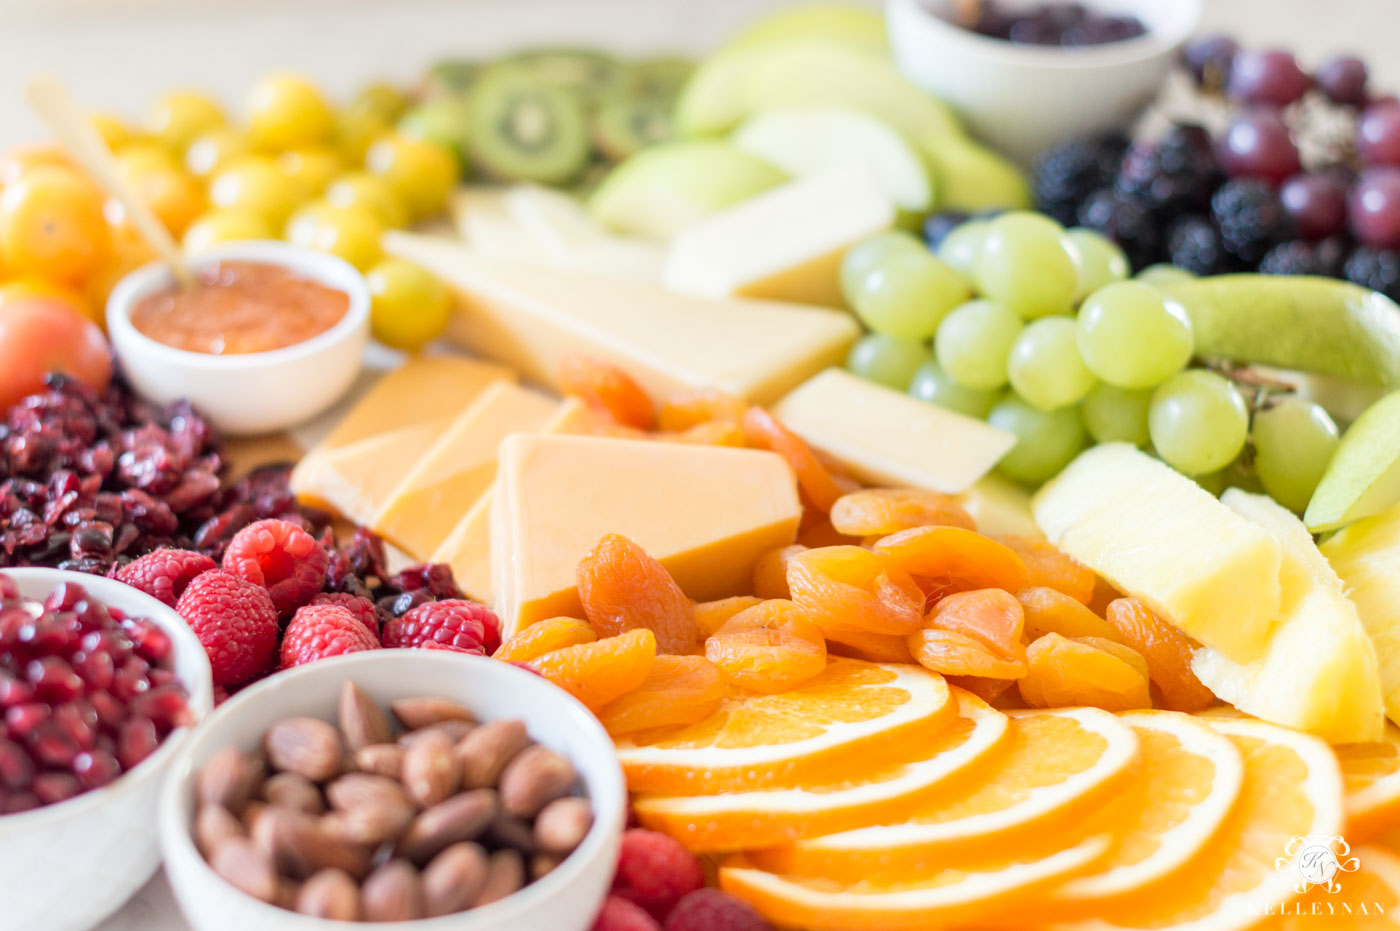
(1368, 900)
(1054, 768)
(863, 795)
(1188, 779)
(850, 710)
(1372, 775)
(1292, 788)
(952, 895)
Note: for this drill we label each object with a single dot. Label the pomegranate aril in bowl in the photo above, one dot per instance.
(99, 682)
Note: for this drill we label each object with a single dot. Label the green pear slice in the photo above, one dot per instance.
(1363, 477)
(858, 27)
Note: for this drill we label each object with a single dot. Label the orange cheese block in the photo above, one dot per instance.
(706, 512)
(467, 548)
(355, 480)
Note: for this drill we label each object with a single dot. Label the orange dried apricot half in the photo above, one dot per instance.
(679, 690)
(692, 407)
(878, 511)
(599, 672)
(848, 588)
(816, 481)
(770, 571)
(607, 389)
(955, 654)
(710, 616)
(768, 648)
(1049, 566)
(991, 616)
(623, 588)
(1065, 673)
(1167, 651)
(954, 559)
(543, 637)
(1052, 612)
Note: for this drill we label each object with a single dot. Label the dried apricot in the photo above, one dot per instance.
(991, 616)
(1065, 673)
(623, 588)
(874, 648)
(954, 559)
(989, 690)
(850, 588)
(679, 690)
(768, 648)
(1050, 567)
(1121, 650)
(1049, 611)
(1104, 594)
(692, 407)
(954, 654)
(818, 485)
(599, 672)
(1167, 651)
(770, 572)
(711, 615)
(710, 433)
(822, 533)
(879, 511)
(543, 637)
(608, 389)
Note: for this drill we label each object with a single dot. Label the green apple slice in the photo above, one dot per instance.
(1363, 477)
(808, 140)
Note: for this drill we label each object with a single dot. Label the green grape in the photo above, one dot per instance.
(1101, 261)
(973, 343)
(962, 247)
(936, 386)
(883, 358)
(907, 293)
(1044, 365)
(1293, 442)
(1028, 264)
(1198, 421)
(1133, 337)
(1046, 441)
(1117, 415)
(865, 255)
(1163, 274)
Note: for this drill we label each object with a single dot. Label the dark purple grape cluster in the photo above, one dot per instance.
(1246, 199)
(1064, 25)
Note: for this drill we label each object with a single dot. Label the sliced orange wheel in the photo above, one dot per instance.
(949, 896)
(1188, 779)
(1053, 770)
(1368, 900)
(849, 711)
(863, 795)
(1292, 788)
(1372, 775)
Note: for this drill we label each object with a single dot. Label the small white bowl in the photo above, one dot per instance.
(567, 899)
(256, 392)
(66, 867)
(1024, 98)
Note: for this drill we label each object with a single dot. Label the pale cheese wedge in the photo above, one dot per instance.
(355, 481)
(885, 437)
(1000, 507)
(1158, 536)
(706, 512)
(530, 316)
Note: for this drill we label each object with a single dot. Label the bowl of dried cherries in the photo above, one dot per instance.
(432, 787)
(99, 685)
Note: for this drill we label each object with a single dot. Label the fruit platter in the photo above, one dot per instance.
(922, 466)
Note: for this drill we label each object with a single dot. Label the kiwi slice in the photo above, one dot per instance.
(592, 74)
(450, 78)
(524, 128)
(625, 124)
(659, 77)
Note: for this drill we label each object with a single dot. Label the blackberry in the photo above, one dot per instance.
(1377, 269)
(1194, 244)
(1128, 224)
(1294, 257)
(1065, 174)
(1250, 217)
(1177, 174)
(937, 226)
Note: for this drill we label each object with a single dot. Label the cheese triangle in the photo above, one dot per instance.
(355, 480)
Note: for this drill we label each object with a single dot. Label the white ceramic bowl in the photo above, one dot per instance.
(65, 867)
(565, 900)
(1023, 98)
(250, 393)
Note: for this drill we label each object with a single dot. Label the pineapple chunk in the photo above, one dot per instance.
(1367, 557)
(1320, 673)
(1160, 537)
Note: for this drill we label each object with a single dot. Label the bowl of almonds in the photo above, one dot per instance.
(431, 787)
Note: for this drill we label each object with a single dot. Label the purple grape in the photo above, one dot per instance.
(1343, 80)
(1373, 208)
(1268, 77)
(1210, 58)
(1317, 203)
(1257, 144)
(1378, 134)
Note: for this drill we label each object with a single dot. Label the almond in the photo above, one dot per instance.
(290, 790)
(506, 831)
(371, 824)
(300, 846)
(392, 893)
(454, 878)
(330, 894)
(542, 864)
(229, 778)
(415, 713)
(355, 789)
(362, 721)
(453, 730)
(563, 824)
(380, 760)
(306, 746)
(505, 875)
(534, 779)
(461, 818)
(212, 826)
(431, 773)
(487, 750)
(247, 867)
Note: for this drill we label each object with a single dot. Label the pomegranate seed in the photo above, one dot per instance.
(96, 669)
(13, 620)
(64, 597)
(46, 637)
(78, 721)
(52, 788)
(132, 679)
(53, 679)
(16, 768)
(16, 802)
(138, 739)
(164, 705)
(21, 720)
(14, 691)
(9, 589)
(152, 643)
(51, 746)
(112, 642)
(110, 711)
(96, 769)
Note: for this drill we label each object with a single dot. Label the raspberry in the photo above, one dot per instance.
(235, 621)
(164, 573)
(712, 910)
(317, 631)
(655, 871)
(362, 609)
(282, 558)
(622, 915)
(464, 626)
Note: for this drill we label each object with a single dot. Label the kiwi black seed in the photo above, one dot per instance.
(524, 128)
